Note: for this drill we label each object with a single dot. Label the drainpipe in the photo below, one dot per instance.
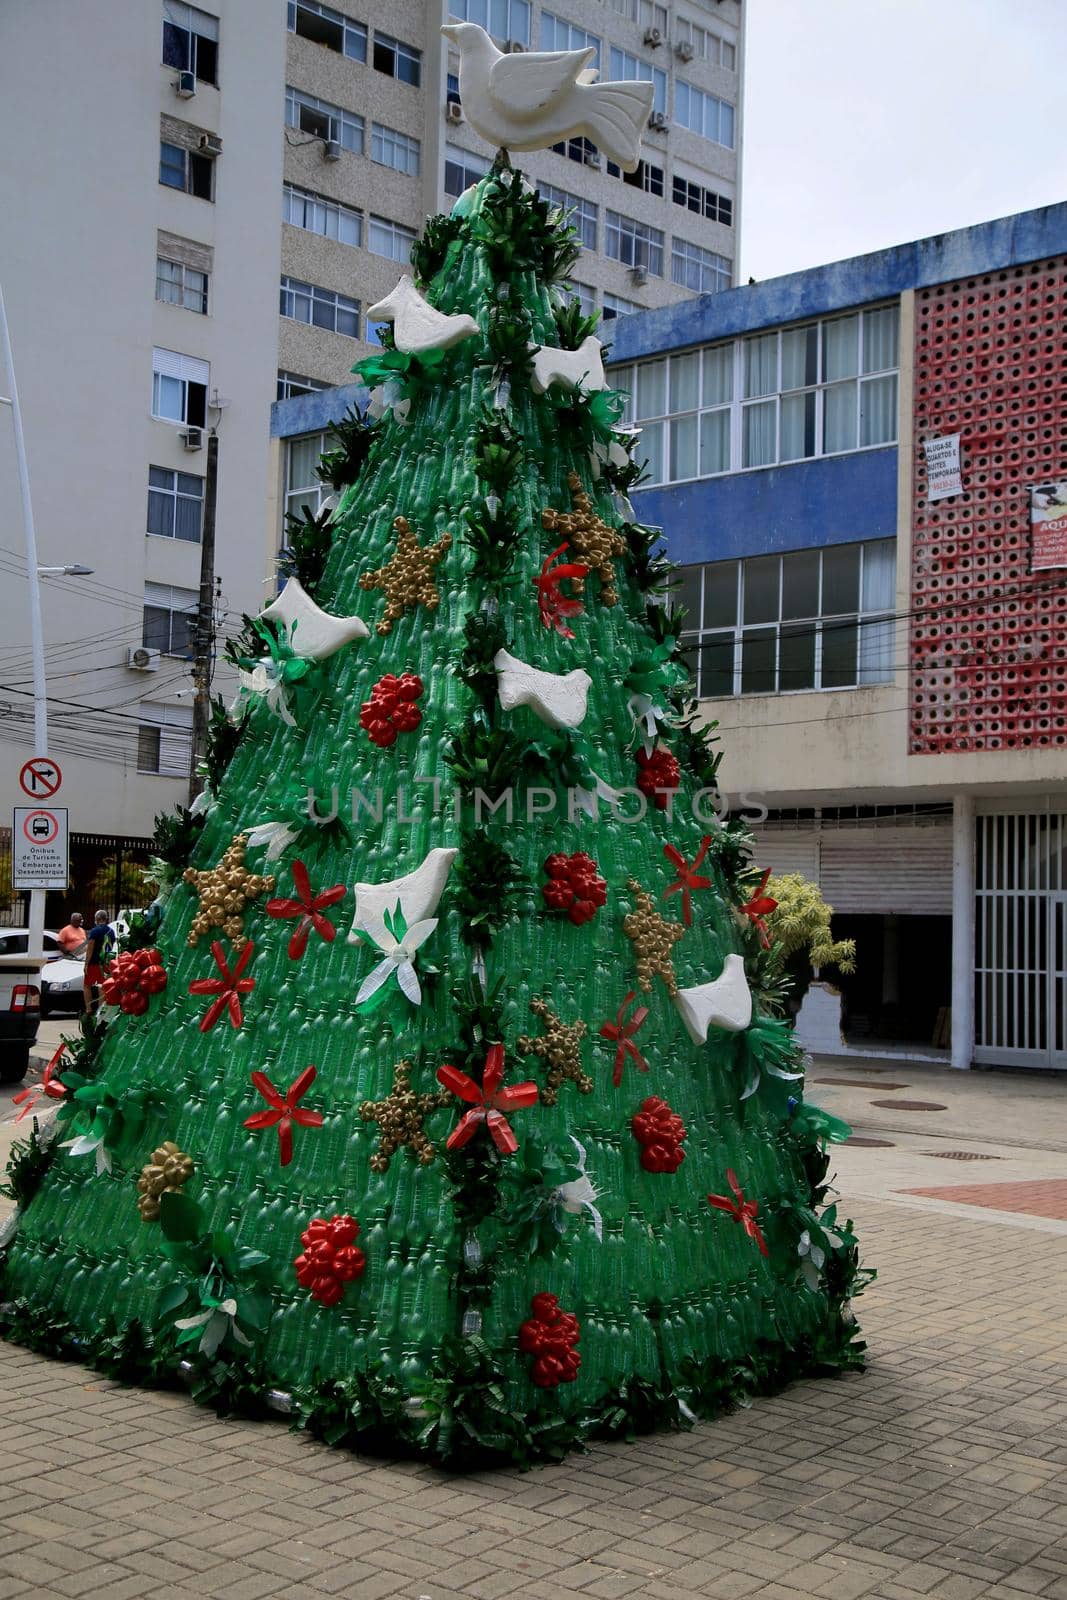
(962, 930)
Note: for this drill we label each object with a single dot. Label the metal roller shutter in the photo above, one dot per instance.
(881, 870)
(788, 852)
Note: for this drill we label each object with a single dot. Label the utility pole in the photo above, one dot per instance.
(205, 620)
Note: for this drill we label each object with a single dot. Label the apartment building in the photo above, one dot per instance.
(884, 657)
(216, 196)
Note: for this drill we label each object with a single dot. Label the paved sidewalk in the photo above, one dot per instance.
(940, 1472)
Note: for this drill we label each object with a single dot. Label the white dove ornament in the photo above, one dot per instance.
(416, 893)
(724, 1003)
(533, 100)
(568, 368)
(417, 325)
(312, 632)
(559, 699)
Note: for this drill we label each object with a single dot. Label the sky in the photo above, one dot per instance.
(873, 122)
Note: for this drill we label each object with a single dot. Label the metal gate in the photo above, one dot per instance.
(1021, 940)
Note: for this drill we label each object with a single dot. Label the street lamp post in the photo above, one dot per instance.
(35, 943)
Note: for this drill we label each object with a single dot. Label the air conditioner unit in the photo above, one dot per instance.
(142, 660)
(658, 121)
(592, 159)
(684, 50)
(514, 47)
(331, 149)
(192, 438)
(185, 85)
(653, 38)
(639, 276)
(210, 144)
(453, 111)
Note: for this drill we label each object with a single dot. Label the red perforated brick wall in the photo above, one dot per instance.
(988, 641)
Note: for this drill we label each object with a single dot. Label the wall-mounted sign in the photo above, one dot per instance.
(943, 467)
(1048, 526)
(39, 854)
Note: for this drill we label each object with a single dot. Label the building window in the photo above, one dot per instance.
(462, 169)
(390, 239)
(321, 308)
(645, 12)
(584, 214)
(175, 505)
(191, 41)
(185, 169)
(504, 19)
(616, 305)
(579, 149)
(392, 149)
(397, 59)
(178, 285)
(292, 383)
(325, 26)
(705, 202)
(633, 243)
(812, 619)
(698, 269)
(704, 113)
(323, 120)
(179, 388)
(557, 34)
(585, 296)
(164, 739)
(304, 489)
(632, 70)
(647, 177)
(816, 389)
(705, 45)
(169, 619)
(316, 214)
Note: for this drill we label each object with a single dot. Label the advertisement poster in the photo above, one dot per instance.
(1048, 526)
(943, 467)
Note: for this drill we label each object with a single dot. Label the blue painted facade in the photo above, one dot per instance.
(831, 500)
(835, 500)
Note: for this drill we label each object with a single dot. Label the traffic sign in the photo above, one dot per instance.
(40, 777)
(39, 848)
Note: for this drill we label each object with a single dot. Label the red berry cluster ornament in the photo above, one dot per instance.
(550, 1336)
(132, 978)
(391, 708)
(659, 1131)
(657, 774)
(574, 886)
(331, 1257)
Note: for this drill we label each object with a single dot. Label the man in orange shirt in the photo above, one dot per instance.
(72, 937)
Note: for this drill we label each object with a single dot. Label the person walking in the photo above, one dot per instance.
(98, 945)
(72, 937)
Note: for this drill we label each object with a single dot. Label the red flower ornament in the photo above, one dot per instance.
(49, 1085)
(659, 1131)
(132, 979)
(331, 1257)
(574, 886)
(550, 1336)
(658, 776)
(309, 909)
(488, 1102)
(688, 878)
(742, 1210)
(391, 708)
(761, 905)
(283, 1111)
(228, 987)
(553, 606)
(621, 1032)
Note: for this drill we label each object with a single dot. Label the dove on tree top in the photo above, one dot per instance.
(457, 1233)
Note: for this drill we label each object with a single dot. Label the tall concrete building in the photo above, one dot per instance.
(198, 226)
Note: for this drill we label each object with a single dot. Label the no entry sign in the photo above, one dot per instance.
(40, 777)
(39, 858)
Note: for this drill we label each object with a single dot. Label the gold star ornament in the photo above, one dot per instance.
(653, 938)
(407, 578)
(224, 892)
(589, 536)
(560, 1048)
(400, 1117)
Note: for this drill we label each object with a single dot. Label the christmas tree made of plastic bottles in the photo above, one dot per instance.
(442, 1106)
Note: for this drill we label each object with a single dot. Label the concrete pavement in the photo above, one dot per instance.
(941, 1472)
